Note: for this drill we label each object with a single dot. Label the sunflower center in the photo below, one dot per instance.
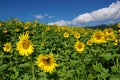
(47, 61)
(109, 31)
(25, 44)
(98, 37)
(79, 46)
(7, 46)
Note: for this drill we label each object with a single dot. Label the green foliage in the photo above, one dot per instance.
(96, 62)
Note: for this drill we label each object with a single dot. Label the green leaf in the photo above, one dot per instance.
(91, 77)
(114, 69)
(24, 65)
(107, 56)
(115, 77)
(13, 77)
(104, 75)
(99, 68)
(96, 68)
(2, 68)
(88, 59)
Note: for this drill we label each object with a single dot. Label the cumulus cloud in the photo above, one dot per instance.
(60, 22)
(112, 12)
(38, 16)
(48, 16)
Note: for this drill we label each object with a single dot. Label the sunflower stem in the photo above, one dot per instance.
(117, 64)
(32, 67)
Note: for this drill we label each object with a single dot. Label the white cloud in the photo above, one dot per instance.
(112, 12)
(48, 16)
(61, 22)
(38, 16)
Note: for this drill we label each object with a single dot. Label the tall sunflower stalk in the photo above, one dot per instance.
(32, 68)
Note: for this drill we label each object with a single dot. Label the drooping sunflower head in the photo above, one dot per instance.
(24, 46)
(7, 47)
(89, 42)
(46, 63)
(79, 46)
(66, 35)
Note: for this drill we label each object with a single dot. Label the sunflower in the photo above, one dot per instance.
(24, 46)
(116, 41)
(46, 63)
(66, 34)
(89, 42)
(27, 32)
(77, 35)
(109, 31)
(0, 24)
(16, 29)
(26, 26)
(79, 46)
(28, 23)
(5, 31)
(119, 25)
(33, 31)
(7, 47)
(34, 25)
(19, 23)
(98, 37)
(47, 29)
(15, 19)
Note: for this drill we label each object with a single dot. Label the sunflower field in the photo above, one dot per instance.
(36, 51)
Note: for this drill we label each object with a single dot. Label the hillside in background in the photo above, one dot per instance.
(102, 26)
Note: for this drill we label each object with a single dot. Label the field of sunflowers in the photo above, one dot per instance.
(34, 51)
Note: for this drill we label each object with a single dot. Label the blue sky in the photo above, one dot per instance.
(62, 12)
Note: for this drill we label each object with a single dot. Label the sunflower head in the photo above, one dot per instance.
(89, 42)
(15, 19)
(24, 46)
(109, 31)
(116, 41)
(0, 24)
(98, 37)
(5, 31)
(119, 25)
(34, 25)
(77, 35)
(26, 26)
(79, 46)
(46, 63)
(16, 29)
(66, 35)
(27, 32)
(47, 28)
(7, 47)
(19, 23)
